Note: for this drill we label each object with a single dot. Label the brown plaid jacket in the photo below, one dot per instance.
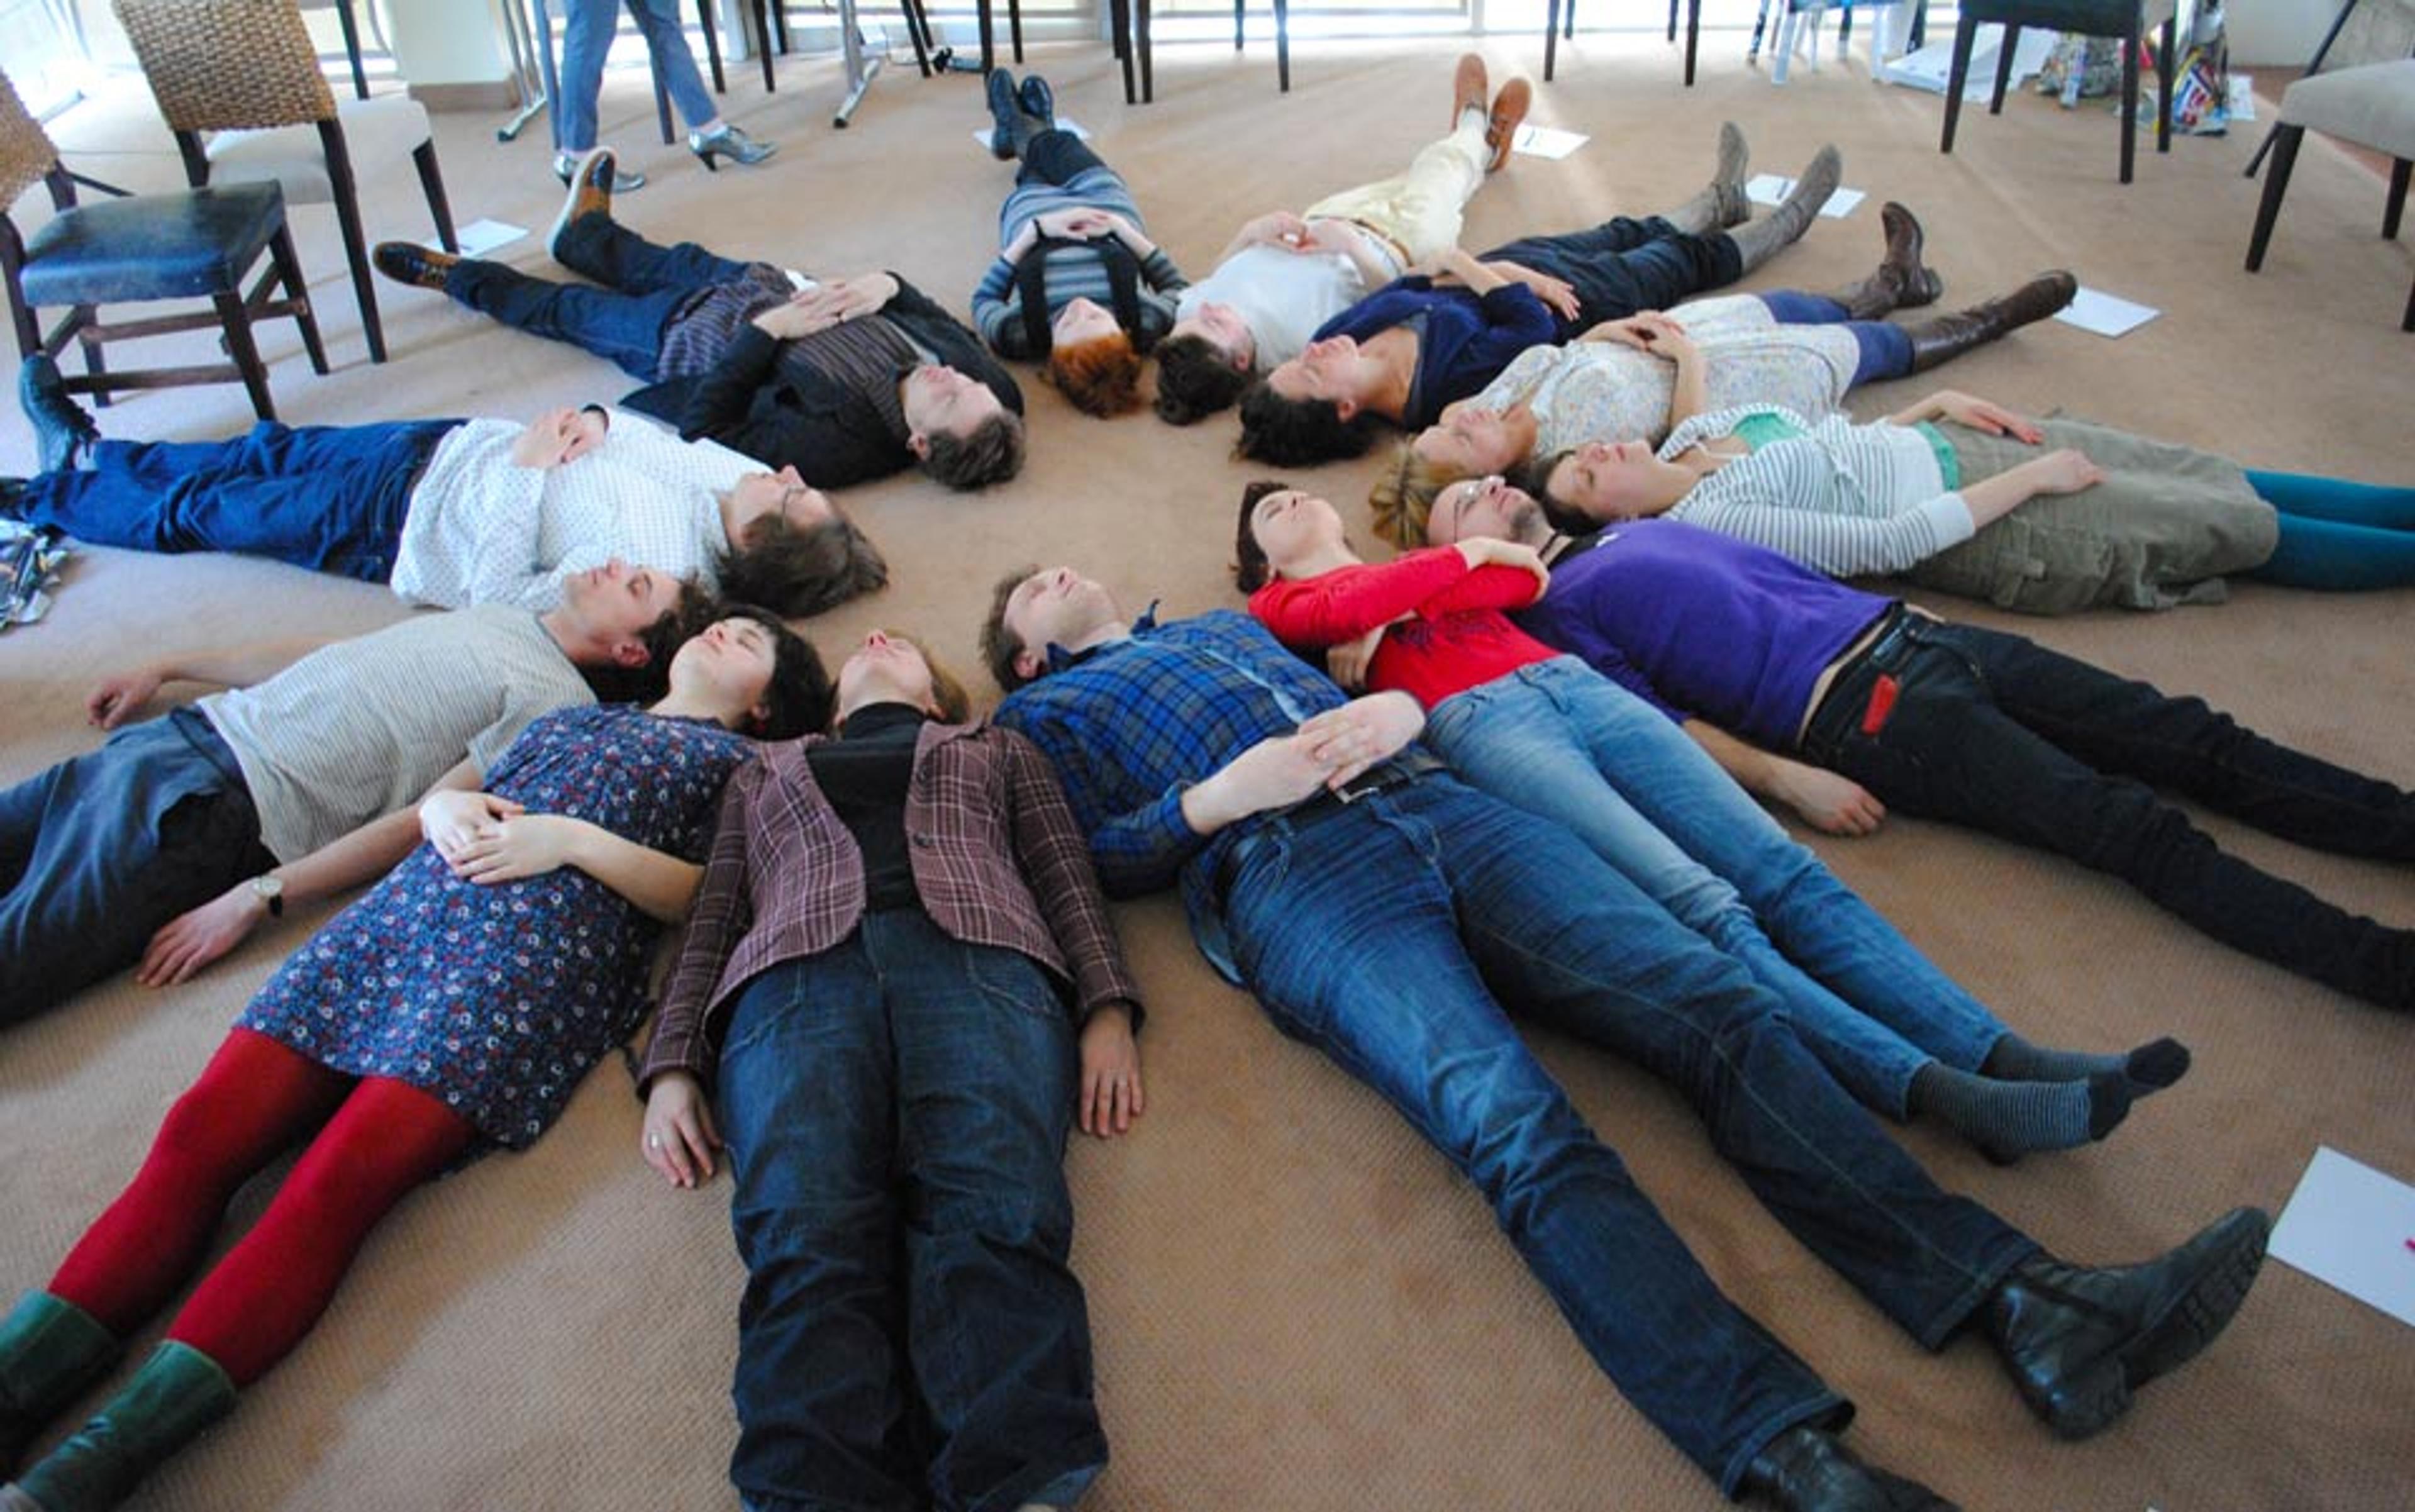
(997, 857)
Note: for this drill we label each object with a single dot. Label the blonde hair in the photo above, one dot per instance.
(1404, 495)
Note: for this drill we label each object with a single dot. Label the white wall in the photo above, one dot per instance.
(2279, 31)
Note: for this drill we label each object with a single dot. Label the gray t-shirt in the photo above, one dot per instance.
(359, 728)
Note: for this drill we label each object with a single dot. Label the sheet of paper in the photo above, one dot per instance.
(480, 237)
(1772, 188)
(1064, 122)
(1547, 142)
(2350, 1226)
(2241, 99)
(2101, 314)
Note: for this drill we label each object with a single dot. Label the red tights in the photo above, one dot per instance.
(376, 1140)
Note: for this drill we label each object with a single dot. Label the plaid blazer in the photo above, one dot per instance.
(997, 858)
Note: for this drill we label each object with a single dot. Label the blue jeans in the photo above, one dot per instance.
(2336, 535)
(1886, 351)
(1624, 265)
(1993, 732)
(1566, 742)
(587, 37)
(98, 852)
(896, 1110)
(329, 498)
(644, 286)
(1392, 933)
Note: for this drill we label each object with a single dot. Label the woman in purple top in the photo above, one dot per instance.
(1957, 723)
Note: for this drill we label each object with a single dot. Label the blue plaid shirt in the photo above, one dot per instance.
(1133, 723)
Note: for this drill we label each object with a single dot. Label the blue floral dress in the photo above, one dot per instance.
(497, 999)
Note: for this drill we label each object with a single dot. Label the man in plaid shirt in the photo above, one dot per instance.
(1375, 905)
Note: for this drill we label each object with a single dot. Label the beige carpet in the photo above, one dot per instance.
(1296, 1306)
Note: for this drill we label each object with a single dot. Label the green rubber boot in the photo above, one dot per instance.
(178, 1392)
(50, 1351)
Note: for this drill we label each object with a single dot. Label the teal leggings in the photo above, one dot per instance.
(2338, 535)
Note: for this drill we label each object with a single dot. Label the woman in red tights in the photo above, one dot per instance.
(452, 1009)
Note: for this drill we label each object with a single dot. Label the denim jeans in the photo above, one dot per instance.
(98, 852)
(644, 286)
(329, 498)
(587, 37)
(1624, 265)
(1993, 732)
(1566, 742)
(1381, 933)
(896, 1110)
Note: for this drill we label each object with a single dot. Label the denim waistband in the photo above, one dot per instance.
(1322, 805)
(1899, 637)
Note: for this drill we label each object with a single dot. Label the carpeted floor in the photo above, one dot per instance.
(1296, 1306)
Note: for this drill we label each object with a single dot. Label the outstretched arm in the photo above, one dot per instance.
(120, 698)
(1829, 803)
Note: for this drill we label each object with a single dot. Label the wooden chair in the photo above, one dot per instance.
(1130, 23)
(136, 248)
(2128, 19)
(1561, 21)
(246, 73)
(2372, 106)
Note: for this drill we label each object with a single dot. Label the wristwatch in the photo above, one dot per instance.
(270, 890)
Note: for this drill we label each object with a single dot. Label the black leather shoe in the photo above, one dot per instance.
(1038, 100)
(2079, 1340)
(61, 429)
(1005, 113)
(1806, 1469)
(412, 263)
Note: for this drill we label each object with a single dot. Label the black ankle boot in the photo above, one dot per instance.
(1808, 1469)
(1934, 341)
(1900, 281)
(2079, 1340)
(1005, 115)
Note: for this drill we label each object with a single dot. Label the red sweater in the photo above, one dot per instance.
(1457, 635)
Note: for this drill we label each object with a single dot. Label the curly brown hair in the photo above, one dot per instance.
(990, 452)
(1100, 376)
(800, 571)
(999, 645)
(1194, 380)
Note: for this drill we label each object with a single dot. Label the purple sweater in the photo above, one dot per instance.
(1700, 624)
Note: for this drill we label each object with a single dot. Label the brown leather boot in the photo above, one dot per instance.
(1900, 281)
(1469, 89)
(1943, 337)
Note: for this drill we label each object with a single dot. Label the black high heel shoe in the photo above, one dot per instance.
(730, 141)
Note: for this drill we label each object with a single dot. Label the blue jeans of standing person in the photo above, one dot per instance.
(587, 37)
(1624, 265)
(1392, 932)
(329, 498)
(896, 1110)
(645, 286)
(1561, 740)
(1993, 732)
(98, 852)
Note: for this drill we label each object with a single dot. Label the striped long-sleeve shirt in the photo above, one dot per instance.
(1845, 498)
(1073, 272)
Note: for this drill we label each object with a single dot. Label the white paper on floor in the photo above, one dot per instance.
(1773, 189)
(480, 237)
(1929, 67)
(2241, 101)
(2353, 1227)
(1547, 142)
(1064, 122)
(2101, 314)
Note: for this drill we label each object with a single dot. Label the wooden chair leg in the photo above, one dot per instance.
(2393, 212)
(297, 294)
(2129, 102)
(2407, 321)
(1282, 44)
(1956, 76)
(1693, 36)
(2166, 59)
(712, 46)
(2004, 70)
(764, 45)
(1120, 21)
(1145, 45)
(780, 23)
(356, 251)
(1014, 27)
(989, 37)
(2286, 139)
(918, 28)
(1551, 39)
(431, 182)
(1237, 24)
(237, 320)
(96, 364)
